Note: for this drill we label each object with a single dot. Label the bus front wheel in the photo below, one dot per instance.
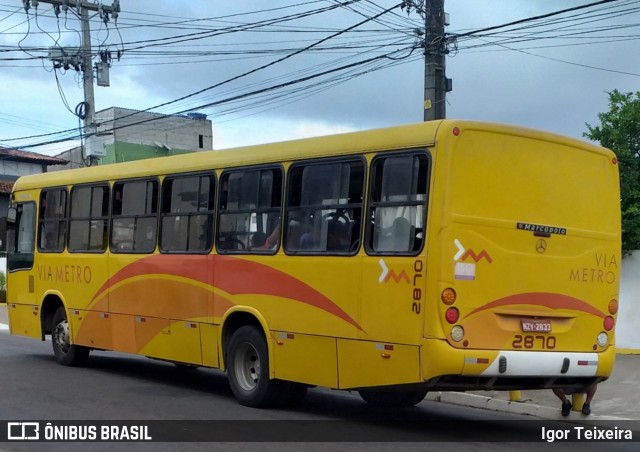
(393, 399)
(66, 353)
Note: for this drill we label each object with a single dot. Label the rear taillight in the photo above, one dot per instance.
(452, 315)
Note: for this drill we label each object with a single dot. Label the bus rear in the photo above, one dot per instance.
(525, 234)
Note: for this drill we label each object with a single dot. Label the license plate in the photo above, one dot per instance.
(537, 326)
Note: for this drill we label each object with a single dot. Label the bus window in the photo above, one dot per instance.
(187, 214)
(250, 205)
(324, 207)
(88, 219)
(21, 236)
(53, 220)
(397, 205)
(135, 210)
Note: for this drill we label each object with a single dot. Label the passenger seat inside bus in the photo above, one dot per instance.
(397, 237)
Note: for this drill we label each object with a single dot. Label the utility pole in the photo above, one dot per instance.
(436, 83)
(87, 71)
(81, 59)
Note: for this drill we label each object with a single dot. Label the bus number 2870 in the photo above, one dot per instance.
(528, 341)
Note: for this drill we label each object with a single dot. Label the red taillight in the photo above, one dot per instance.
(608, 323)
(452, 315)
(456, 131)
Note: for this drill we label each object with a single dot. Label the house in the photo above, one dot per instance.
(124, 135)
(13, 164)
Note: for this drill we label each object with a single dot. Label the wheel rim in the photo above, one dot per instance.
(61, 336)
(247, 367)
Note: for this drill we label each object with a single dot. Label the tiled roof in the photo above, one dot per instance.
(6, 186)
(27, 156)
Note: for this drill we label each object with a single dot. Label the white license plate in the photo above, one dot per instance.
(537, 326)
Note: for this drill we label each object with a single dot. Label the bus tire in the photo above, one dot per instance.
(248, 368)
(66, 353)
(393, 399)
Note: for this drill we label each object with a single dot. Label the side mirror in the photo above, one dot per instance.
(12, 214)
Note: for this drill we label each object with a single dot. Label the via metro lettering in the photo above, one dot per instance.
(603, 270)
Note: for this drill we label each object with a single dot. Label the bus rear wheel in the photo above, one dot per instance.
(248, 368)
(64, 352)
(393, 399)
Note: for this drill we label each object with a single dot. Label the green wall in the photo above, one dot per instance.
(127, 152)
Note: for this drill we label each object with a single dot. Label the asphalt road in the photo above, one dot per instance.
(118, 387)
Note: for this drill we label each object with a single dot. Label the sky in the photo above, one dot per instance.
(551, 74)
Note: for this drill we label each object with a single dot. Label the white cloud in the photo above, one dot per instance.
(501, 85)
(270, 129)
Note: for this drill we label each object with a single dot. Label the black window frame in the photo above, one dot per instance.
(210, 212)
(356, 223)
(222, 210)
(372, 205)
(113, 217)
(105, 218)
(42, 221)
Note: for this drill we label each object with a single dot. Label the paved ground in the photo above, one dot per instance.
(617, 398)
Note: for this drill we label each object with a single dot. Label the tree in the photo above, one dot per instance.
(619, 130)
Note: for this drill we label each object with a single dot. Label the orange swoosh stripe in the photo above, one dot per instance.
(549, 300)
(231, 274)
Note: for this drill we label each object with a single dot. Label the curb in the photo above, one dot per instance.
(506, 406)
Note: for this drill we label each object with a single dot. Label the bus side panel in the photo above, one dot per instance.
(209, 344)
(166, 297)
(124, 333)
(96, 328)
(24, 320)
(305, 359)
(173, 340)
(392, 298)
(367, 364)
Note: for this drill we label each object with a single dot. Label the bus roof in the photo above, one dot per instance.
(398, 137)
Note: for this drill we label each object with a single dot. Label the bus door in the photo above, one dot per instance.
(23, 310)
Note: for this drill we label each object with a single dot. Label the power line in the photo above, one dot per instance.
(571, 63)
(534, 18)
(231, 99)
(252, 71)
(520, 26)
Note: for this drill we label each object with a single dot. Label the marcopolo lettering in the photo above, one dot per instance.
(542, 228)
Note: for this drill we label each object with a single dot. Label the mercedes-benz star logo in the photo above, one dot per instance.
(541, 246)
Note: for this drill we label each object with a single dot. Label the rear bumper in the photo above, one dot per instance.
(445, 367)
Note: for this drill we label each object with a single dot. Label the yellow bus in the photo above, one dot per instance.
(446, 255)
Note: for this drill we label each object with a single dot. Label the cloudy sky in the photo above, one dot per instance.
(552, 73)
